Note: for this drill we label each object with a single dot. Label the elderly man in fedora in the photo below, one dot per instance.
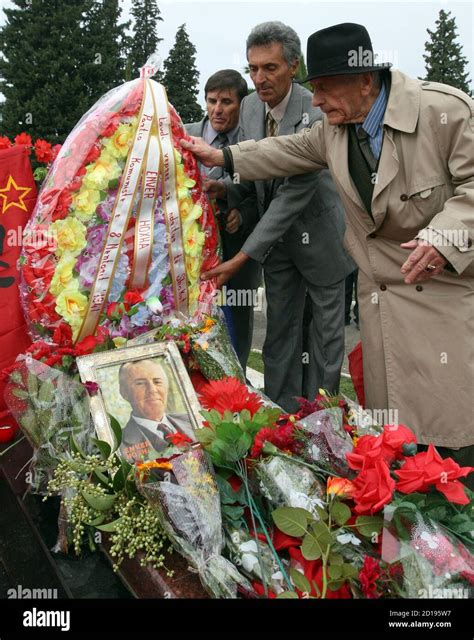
(400, 152)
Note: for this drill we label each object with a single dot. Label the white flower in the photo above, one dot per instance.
(345, 538)
(249, 546)
(249, 561)
(154, 304)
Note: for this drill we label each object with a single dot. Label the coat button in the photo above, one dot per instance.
(383, 287)
(372, 235)
(419, 287)
(404, 197)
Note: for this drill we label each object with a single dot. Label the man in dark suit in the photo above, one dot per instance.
(145, 385)
(299, 236)
(224, 91)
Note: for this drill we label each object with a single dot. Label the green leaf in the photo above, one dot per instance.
(340, 512)
(20, 393)
(233, 512)
(228, 432)
(99, 502)
(118, 482)
(99, 520)
(300, 581)
(368, 525)
(117, 431)
(322, 533)
(335, 558)
(287, 594)
(349, 571)
(292, 520)
(46, 392)
(205, 436)
(110, 526)
(335, 571)
(32, 385)
(75, 446)
(104, 447)
(311, 549)
(102, 477)
(322, 513)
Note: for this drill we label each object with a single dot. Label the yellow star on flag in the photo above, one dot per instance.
(13, 195)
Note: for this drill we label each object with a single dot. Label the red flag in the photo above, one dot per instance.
(357, 372)
(17, 200)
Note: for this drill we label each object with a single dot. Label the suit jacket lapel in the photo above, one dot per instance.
(292, 117)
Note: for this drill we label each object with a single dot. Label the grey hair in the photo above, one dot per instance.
(274, 31)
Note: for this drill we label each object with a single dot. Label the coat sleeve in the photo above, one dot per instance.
(280, 156)
(451, 230)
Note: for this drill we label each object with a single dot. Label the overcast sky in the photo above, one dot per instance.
(219, 28)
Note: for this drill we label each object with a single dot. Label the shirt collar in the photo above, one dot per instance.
(279, 111)
(152, 424)
(376, 114)
(210, 134)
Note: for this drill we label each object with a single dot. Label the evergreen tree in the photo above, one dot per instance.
(444, 61)
(145, 39)
(302, 72)
(106, 43)
(40, 73)
(181, 77)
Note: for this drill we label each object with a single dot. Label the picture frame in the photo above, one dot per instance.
(106, 369)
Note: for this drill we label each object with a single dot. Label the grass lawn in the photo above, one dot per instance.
(347, 388)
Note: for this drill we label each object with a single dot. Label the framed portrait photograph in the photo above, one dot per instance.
(147, 389)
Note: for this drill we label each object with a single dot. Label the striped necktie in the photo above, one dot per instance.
(272, 125)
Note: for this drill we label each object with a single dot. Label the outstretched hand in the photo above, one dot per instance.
(207, 155)
(226, 270)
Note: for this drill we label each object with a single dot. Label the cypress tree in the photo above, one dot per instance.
(41, 76)
(444, 61)
(145, 40)
(181, 77)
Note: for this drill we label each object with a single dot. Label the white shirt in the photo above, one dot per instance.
(152, 425)
(279, 111)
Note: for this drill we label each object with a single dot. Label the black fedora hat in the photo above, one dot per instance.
(340, 49)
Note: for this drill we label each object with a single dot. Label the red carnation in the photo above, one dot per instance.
(133, 297)
(86, 345)
(24, 138)
(368, 576)
(62, 334)
(428, 468)
(373, 488)
(229, 394)
(178, 439)
(5, 142)
(93, 154)
(43, 151)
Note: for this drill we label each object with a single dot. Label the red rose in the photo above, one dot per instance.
(86, 345)
(388, 446)
(62, 334)
(428, 468)
(5, 142)
(394, 437)
(93, 154)
(133, 297)
(373, 488)
(368, 576)
(24, 138)
(43, 151)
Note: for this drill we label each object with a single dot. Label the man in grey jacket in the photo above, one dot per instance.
(309, 256)
(224, 92)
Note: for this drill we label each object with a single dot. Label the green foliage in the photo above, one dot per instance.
(292, 520)
(180, 77)
(444, 61)
(60, 57)
(145, 40)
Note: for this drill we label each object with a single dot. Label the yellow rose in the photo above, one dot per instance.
(193, 241)
(70, 235)
(63, 275)
(71, 304)
(119, 144)
(100, 172)
(193, 268)
(85, 203)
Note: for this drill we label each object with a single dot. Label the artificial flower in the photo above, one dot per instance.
(388, 446)
(64, 275)
(24, 138)
(178, 439)
(428, 469)
(85, 202)
(373, 488)
(118, 145)
(229, 394)
(71, 304)
(92, 388)
(43, 151)
(132, 297)
(70, 236)
(368, 576)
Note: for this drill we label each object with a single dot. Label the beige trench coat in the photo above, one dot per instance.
(417, 340)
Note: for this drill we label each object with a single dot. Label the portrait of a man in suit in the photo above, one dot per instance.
(145, 385)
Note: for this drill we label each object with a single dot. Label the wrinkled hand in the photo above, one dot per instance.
(423, 254)
(226, 270)
(234, 220)
(214, 188)
(206, 154)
